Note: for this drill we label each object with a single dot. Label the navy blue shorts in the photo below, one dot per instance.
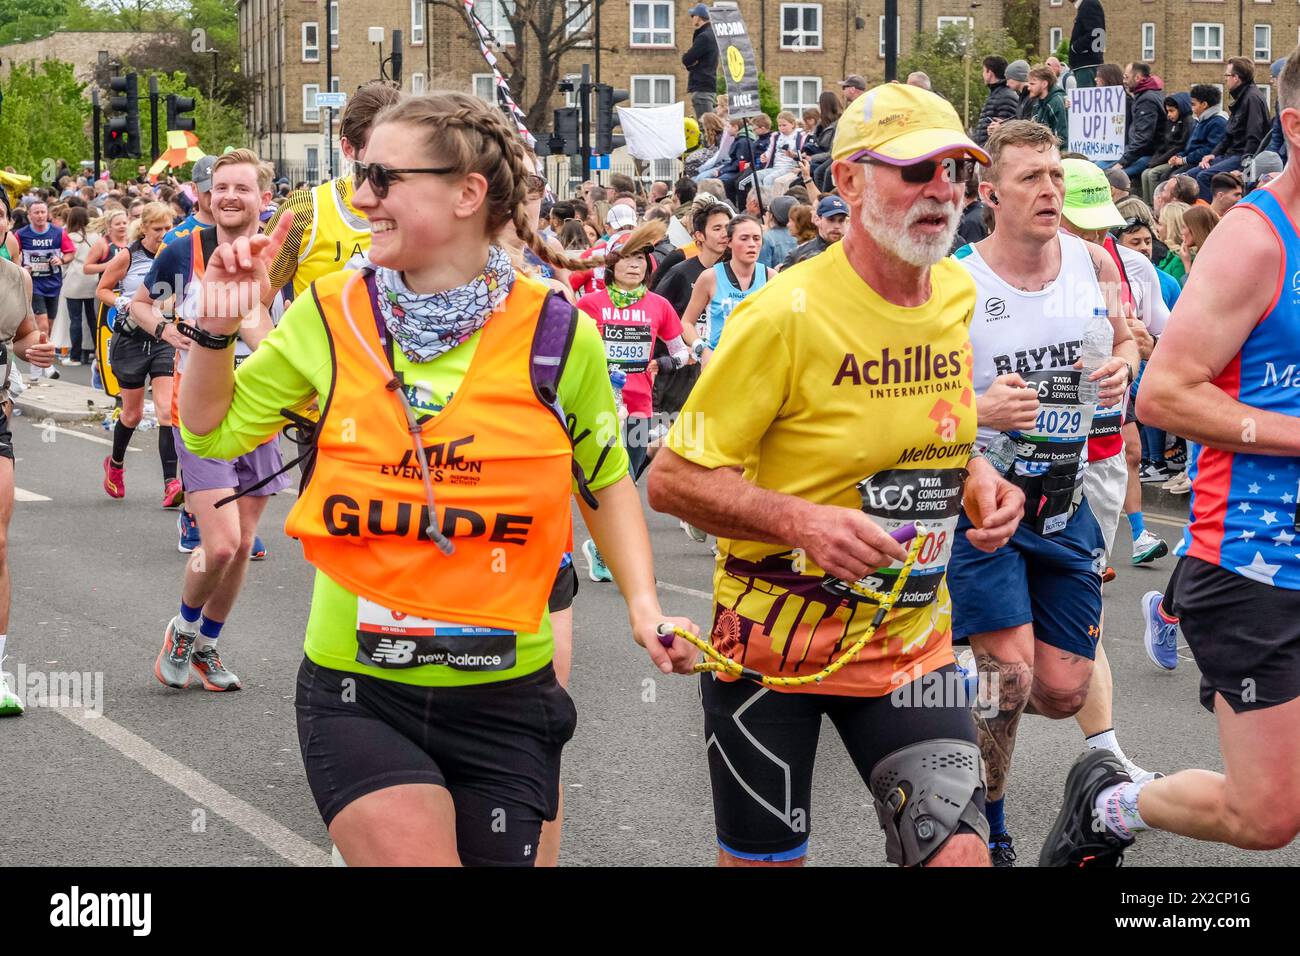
(1053, 583)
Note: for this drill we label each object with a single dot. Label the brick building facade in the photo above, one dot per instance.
(81, 48)
(803, 48)
(1186, 41)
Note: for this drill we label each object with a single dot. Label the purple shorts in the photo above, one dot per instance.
(208, 474)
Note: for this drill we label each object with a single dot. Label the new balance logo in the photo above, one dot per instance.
(392, 651)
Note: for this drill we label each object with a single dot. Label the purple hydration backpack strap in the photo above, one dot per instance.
(551, 343)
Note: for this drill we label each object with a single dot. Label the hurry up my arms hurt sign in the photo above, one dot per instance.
(1097, 122)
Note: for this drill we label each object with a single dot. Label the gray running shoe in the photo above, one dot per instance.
(207, 664)
(173, 665)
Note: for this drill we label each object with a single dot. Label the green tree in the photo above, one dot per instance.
(28, 19)
(1021, 19)
(46, 117)
(942, 57)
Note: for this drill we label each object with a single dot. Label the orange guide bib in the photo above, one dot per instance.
(499, 459)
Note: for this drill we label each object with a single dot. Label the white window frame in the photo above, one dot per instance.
(967, 22)
(803, 39)
(488, 79)
(1054, 37)
(1267, 49)
(1148, 49)
(652, 79)
(498, 23)
(309, 94)
(310, 165)
(799, 81)
(334, 24)
(417, 22)
(417, 84)
(1206, 49)
(311, 51)
(581, 24)
(882, 35)
(658, 37)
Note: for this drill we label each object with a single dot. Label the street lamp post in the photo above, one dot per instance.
(966, 57)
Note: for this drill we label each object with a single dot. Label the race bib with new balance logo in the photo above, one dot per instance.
(393, 639)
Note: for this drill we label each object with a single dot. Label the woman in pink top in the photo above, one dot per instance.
(631, 320)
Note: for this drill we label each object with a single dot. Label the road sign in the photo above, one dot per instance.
(599, 162)
(334, 101)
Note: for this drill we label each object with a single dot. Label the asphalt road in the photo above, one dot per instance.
(172, 777)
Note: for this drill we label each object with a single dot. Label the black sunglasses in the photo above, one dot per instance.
(381, 177)
(1135, 222)
(956, 170)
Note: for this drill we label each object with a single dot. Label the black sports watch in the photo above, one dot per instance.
(206, 339)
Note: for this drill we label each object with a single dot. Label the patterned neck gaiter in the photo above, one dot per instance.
(426, 326)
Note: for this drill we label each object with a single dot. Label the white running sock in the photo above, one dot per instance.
(186, 627)
(1117, 808)
(1105, 741)
(2, 651)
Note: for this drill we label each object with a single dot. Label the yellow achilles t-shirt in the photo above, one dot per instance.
(822, 389)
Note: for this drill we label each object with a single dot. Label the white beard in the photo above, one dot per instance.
(892, 233)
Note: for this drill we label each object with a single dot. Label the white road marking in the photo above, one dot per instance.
(22, 494)
(1176, 523)
(274, 836)
(703, 595)
(79, 434)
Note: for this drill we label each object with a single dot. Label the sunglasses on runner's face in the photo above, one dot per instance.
(955, 170)
(381, 177)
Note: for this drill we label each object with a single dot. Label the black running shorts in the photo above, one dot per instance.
(6, 435)
(495, 747)
(761, 744)
(564, 590)
(136, 357)
(1245, 635)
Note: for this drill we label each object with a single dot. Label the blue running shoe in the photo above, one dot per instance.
(258, 552)
(1160, 636)
(596, 569)
(189, 532)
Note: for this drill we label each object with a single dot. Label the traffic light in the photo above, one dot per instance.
(177, 108)
(122, 128)
(606, 118)
(566, 129)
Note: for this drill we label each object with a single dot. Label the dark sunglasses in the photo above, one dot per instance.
(955, 170)
(1132, 224)
(381, 177)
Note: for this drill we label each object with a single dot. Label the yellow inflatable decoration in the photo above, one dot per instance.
(15, 185)
(692, 134)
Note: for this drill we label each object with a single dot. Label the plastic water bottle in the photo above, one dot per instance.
(1001, 452)
(1098, 345)
(618, 378)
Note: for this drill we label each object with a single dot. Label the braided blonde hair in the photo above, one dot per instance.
(470, 136)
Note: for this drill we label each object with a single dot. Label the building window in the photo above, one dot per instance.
(577, 19)
(334, 24)
(1207, 42)
(310, 111)
(955, 22)
(801, 26)
(417, 83)
(652, 23)
(493, 13)
(334, 84)
(312, 174)
(1054, 38)
(1148, 41)
(417, 22)
(485, 87)
(898, 28)
(653, 90)
(1263, 43)
(799, 93)
(310, 43)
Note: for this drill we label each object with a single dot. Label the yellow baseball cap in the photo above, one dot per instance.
(900, 125)
(1087, 196)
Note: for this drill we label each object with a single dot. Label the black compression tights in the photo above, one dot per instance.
(167, 451)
